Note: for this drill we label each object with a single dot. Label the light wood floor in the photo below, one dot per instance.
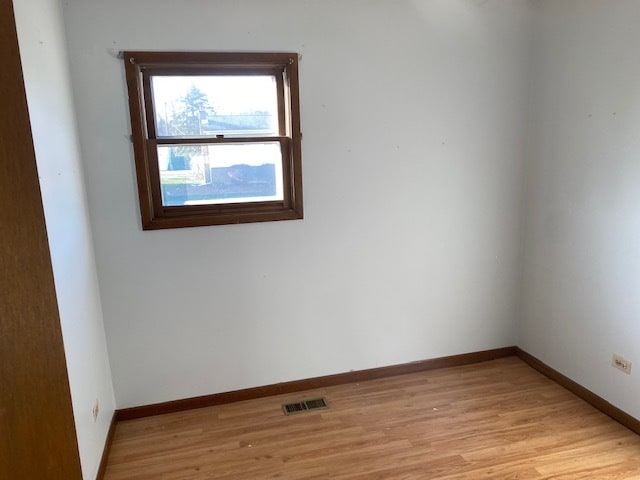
(498, 420)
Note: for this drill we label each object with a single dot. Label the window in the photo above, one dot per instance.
(216, 137)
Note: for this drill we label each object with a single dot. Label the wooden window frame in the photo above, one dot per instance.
(140, 66)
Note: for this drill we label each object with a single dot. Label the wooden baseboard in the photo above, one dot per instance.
(588, 396)
(311, 383)
(107, 448)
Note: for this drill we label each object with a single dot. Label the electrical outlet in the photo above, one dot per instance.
(95, 410)
(621, 363)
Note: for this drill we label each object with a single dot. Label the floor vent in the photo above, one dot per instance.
(305, 406)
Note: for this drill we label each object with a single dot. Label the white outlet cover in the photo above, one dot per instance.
(621, 363)
(95, 410)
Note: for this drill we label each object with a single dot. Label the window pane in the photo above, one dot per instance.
(220, 173)
(200, 105)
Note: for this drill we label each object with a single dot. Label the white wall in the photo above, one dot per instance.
(581, 299)
(44, 61)
(412, 114)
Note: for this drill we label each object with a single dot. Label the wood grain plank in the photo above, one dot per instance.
(499, 419)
